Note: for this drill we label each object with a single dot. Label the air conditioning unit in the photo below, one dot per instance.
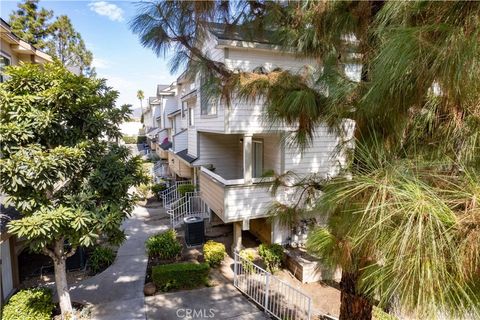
(194, 231)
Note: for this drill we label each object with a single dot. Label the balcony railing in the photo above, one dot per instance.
(233, 199)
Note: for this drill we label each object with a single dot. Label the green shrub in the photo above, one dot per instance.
(248, 256)
(272, 256)
(29, 304)
(158, 187)
(164, 245)
(129, 139)
(141, 139)
(101, 258)
(180, 275)
(214, 252)
(184, 188)
(143, 191)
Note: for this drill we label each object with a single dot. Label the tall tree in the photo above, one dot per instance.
(31, 23)
(58, 37)
(404, 227)
(67, 45)
(70, 184)
(140, 97)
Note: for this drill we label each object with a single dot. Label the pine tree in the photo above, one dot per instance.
(58, 37)
(32, 24)
(403, 216)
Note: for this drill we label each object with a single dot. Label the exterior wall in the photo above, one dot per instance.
(180, 141)
(272, 152)
(249, 59)
(247, 202)
(192, 142)
(321, 157)
(162, 153)
(13, 56)
(213, 194)
(222, 151)
(179, 167)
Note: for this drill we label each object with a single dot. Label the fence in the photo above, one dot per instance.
(275, 296)
(189, 205)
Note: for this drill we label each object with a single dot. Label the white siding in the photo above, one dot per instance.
(180, 141)
(321, 157)
(272, 152)
(192, 142)
(249, 59)
(247, 202)
(210, 123)
(224, 152)
(211, 50)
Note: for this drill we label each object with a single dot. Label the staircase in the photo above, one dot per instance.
(160, 170)
(171, 194)
(191, 205)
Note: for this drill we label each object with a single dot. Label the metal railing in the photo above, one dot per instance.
(171, 194)
(188, 206)
(275, 296)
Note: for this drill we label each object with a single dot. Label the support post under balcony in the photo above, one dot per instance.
(237, 236)
(247, 158)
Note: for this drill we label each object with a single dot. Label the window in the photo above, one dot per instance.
(159, 122)
(208, 105)
(4, 62)
(191, 115)
(257, 162)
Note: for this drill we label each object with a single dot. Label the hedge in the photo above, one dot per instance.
(29, 304)
(164, 245)
(214, 252)
(180, 275)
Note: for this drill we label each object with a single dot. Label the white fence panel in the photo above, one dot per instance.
(277, 297)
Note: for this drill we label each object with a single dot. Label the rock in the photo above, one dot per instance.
(149, 289)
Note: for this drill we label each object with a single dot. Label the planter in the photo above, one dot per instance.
(306, 268)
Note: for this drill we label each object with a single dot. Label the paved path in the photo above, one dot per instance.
(220, 303)
(117, 292)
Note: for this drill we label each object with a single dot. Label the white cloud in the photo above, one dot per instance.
(110, 10)
(100, 63)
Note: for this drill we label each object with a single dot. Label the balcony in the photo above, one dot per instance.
(234, 199)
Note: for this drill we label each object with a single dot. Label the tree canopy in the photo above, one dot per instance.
(402, 218)
(58, 168)
(58, 38)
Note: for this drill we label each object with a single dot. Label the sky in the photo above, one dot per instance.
(118, 55)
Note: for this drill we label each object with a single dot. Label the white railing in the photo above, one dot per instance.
(275, 296)
(160, 169)
(188, 206)
(171, 194)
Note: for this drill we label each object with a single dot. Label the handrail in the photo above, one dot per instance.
(234, 182)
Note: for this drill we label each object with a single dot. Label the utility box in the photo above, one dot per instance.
(194, 231)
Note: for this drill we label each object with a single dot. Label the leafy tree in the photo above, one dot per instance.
(32, 24)
(58, 38)
(403, 216)
(57, 167)
(67, 45)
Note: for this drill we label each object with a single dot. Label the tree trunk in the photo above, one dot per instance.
(59, 264)
(352, 305)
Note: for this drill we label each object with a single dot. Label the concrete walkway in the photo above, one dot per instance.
(117, 292)
(220, 302)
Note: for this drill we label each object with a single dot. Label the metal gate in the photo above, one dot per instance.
(277, 297)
